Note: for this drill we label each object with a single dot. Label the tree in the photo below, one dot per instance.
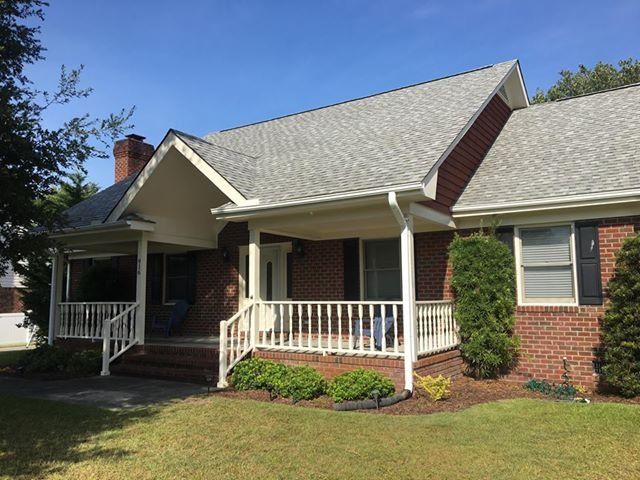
(36, 268)
(621, 323)
(483, 283)
(34, 159)
(588, 80)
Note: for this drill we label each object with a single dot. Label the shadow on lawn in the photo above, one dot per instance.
(40, 437)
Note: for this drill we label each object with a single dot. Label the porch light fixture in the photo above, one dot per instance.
(226, 256)
(298, 247)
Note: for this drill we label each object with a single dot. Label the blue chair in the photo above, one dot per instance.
(174, 322)
(377, 328)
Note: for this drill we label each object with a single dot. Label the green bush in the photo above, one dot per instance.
(483, 283)
(300, 383)
(85, 362)
(45, 359)
(360, 384)
(248, 374)
(621, 323)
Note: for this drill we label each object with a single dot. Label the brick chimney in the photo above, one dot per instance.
(131, 154)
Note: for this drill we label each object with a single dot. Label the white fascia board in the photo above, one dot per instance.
(431, 215)
(575, 201)
(286, 207)
(434, 170)
(172, 140)
(127, 225)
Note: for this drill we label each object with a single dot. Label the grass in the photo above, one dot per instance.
(10, 357)
(223, 438)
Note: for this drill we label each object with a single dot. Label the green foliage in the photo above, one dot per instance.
(45, 359)
(588, 80)
(360, 384)
(36, 270)
(541, 386)
(297, 383)
(35, 158)
(483, 282)
(437, 388)
(300, 383)
(621, 323)
(85, 362)
(562, 391)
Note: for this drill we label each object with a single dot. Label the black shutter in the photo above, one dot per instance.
(588, 264)
(191, 281)
(155, 274)
(351, 269)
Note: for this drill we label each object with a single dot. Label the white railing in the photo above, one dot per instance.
(118, 335)
(236, 341)
(86, 319)
(361, 328)
(436, 327)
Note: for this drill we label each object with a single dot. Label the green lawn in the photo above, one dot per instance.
(224, 438)
(10, 357)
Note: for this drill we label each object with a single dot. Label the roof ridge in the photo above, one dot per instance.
(582, 95)
(215, 144)
(363, 97)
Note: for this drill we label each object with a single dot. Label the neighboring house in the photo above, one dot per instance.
(294, 238)
(11, 315)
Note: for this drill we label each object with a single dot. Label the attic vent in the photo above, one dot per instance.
(503, 93)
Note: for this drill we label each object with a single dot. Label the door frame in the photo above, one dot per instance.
(284, 249)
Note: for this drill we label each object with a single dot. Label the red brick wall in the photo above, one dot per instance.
(10, 300)
(319, 273)
(433, 270)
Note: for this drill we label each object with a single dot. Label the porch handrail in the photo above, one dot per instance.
(236, 340)
(436, 326)
(118, 335)
(369, 328)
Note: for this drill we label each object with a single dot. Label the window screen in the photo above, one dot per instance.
(546, 263)
(382, 270)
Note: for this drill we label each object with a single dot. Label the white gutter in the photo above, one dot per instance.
(145, 226)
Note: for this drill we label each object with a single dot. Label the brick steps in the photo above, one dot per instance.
(189, 364)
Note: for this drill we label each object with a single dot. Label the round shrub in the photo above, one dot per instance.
(85, 362)
(483, 283)
(45, 359)
(300, 383)
(248, 374)
(360, 384)
(621, 323)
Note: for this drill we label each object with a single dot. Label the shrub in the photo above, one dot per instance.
(437, 388)
(85, 362)
(247, 374)
(621, 323)
(300, 383)
(45, 359)
(483, 283)
(360, 384)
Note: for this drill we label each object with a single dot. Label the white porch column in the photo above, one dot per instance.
(254, 280)
(141, 287)
(408, 300)
(57, 269)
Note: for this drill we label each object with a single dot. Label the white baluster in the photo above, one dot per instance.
(290, 310)
(360, 315)
(350, 315)
(309, 316)
(281, 308)
(396, 347)
(272, 321)
(339, 312)
(372, 339)
(299, 325)
(319, 311)
(383, 312)
(329, 327)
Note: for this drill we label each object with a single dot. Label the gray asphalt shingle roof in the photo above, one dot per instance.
(237, 168)
(389, 139)
(96, 208)
(583, 145)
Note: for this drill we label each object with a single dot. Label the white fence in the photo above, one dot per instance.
(10, 334)
(436, 327)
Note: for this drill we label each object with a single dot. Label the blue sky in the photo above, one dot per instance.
(201, 66)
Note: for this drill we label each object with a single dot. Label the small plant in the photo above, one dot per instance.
(84, 362)
(360, 384)
(247, 375)
(45, 359)
(300, 383)
(563, 391)
(540, 386)
(437, 388)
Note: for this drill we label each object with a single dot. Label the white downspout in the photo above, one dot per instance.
(408, 288)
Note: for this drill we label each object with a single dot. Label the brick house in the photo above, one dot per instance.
(321, 237)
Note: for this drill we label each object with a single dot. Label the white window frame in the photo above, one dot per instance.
(243, 251)
(547, 302)
(362, 241)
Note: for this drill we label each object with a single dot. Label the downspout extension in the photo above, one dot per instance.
(408, 287)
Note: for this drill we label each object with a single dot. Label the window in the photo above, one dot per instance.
(176, 278)
(546, 265)
(382, 269)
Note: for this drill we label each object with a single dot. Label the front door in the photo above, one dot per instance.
(271, 274)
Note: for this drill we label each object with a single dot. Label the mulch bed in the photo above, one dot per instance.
(465, 392)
